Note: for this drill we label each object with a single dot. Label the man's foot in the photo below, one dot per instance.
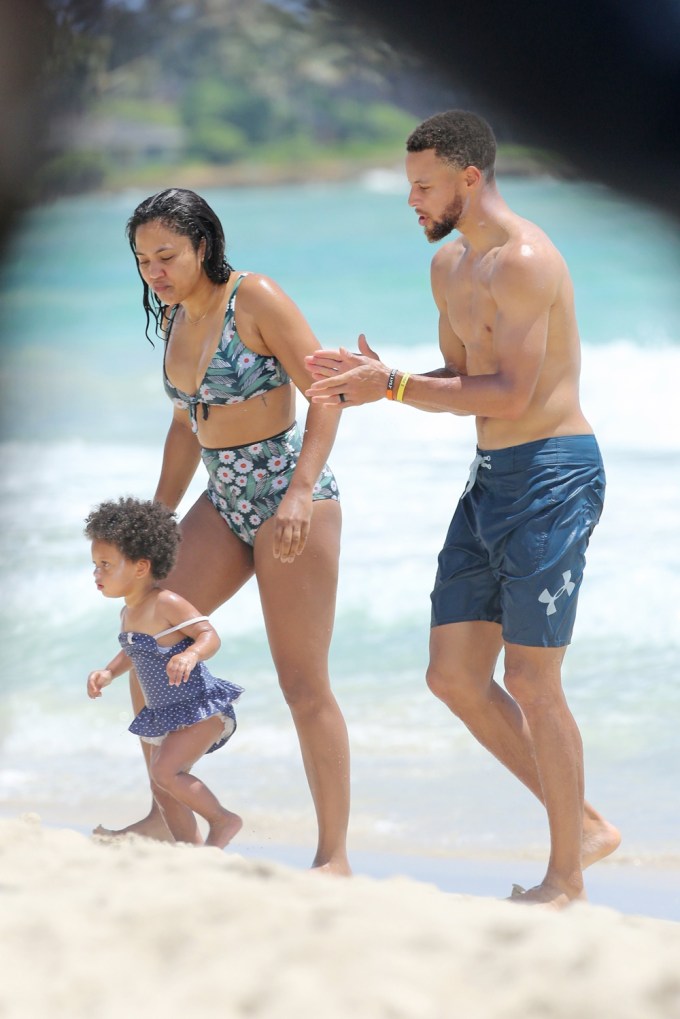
(223, 830)
(600, 839)
(150, 827)
(546, 896)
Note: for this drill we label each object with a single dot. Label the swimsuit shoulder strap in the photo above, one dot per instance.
(187, 622)
(238, 283)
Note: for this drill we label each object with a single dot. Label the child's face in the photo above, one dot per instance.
(114, 575)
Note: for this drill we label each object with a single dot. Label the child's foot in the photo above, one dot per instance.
(151, 827)
(223, 829)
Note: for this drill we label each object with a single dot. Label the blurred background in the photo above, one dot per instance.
(291, 119)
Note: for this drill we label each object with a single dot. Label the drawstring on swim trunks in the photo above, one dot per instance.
(479, 461)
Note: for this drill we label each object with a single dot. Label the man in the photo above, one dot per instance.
(510, 571)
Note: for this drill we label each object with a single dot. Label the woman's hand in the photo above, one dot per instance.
(97, 680)
(291, 526)
(180, 666)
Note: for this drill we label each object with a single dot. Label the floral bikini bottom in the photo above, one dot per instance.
(247, 483)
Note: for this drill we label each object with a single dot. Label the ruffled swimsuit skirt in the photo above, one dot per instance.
(169, 708)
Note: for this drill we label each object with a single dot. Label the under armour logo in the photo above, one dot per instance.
(549, 599)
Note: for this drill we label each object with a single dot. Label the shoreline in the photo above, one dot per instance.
(326, 170)
(634, 886)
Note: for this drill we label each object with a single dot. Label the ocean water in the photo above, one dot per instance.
(84, 418)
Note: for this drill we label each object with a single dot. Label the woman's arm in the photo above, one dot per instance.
(181, 456)
(281, 327)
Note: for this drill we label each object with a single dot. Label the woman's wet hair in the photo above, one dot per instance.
(187, 214)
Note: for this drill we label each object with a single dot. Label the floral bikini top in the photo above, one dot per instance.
(235, 374)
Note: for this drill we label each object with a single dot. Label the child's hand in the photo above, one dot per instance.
(180, 666)
(96, 680)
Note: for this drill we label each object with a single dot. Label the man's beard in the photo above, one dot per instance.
(442, 227)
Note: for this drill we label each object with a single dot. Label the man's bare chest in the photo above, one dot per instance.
(471, 308)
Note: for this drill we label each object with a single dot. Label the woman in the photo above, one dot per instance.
(235, 349)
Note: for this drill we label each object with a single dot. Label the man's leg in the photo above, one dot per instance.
(533, 678)
(462, 661)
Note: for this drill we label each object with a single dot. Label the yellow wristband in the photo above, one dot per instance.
(402, 386)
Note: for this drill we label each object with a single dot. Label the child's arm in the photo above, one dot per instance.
(102, 677)
(206, 641)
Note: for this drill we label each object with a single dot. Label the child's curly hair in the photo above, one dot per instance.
(139, 530)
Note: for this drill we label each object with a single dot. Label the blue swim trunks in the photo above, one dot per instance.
(516, 547)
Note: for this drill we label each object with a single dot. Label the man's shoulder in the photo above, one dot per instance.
(447, 255)
(527, 251)
(528, 263)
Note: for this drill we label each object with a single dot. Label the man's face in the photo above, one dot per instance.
(437, 193)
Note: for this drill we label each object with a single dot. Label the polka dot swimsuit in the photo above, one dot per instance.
(169, 708)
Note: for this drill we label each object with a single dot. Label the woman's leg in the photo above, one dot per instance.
(298, 601)
(170, 768)
(213, 564)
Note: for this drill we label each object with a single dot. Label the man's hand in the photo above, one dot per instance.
(345, 378)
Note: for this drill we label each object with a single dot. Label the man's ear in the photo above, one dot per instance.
(472, 176)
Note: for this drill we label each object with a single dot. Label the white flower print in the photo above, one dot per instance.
(241, 481)
(205, 393)
(182, 404)
(227, 456)
(259, 474)
(255, 520)
(236, 517)
(277, 463)
(280, 482)
(255, 449)
(244, 506)
(243, 465)
(225, 474)
(244, 362)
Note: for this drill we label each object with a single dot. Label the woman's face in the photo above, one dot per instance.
(167, 262)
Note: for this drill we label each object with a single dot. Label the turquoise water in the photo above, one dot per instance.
(84, 417)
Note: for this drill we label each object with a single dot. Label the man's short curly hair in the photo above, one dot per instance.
(139, 530)
(459, 138)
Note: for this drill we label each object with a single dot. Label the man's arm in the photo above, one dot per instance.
(523, 288)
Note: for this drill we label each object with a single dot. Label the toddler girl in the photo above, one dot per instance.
(188, 711)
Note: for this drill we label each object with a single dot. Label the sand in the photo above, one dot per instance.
(136, 928)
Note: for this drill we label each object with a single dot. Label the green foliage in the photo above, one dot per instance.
(69, 173)
(239, 81)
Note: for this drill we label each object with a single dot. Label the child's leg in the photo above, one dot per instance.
(170, 767)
